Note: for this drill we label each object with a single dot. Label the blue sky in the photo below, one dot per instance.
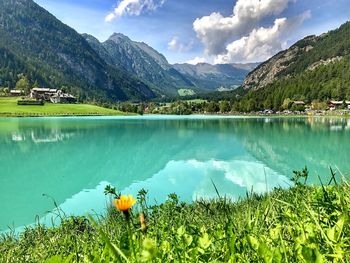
(225, 30)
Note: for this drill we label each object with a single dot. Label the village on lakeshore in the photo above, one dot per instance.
(40, 96)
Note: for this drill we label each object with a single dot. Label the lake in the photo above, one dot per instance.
(71, 160)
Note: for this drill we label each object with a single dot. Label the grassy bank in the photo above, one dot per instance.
(9, 108)
(301, 224)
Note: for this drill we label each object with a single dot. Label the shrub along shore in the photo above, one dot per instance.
(10, 108)
(299, 224)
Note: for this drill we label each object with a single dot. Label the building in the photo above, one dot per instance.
(42, 93)
(299, 103)
(347, 102)
(336, 104)
(61, 97)
(16, 93)
(52, 95)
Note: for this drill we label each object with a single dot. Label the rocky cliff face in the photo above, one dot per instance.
(269, 71)
(306, 54)
(143, 61)
(165, 79)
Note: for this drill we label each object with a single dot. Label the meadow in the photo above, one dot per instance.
(9, 108)
(299, 224)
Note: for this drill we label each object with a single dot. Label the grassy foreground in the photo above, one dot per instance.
(9, 108)
(300, 224)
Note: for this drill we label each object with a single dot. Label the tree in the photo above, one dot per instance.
(287, 103)
(23, 84)
(140, 109)
(224, 106)
(35, 85)
(6, 91)
(212, 107)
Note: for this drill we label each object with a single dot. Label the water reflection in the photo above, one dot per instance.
(62, 157)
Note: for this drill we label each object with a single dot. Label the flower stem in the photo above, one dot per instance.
(131, 243)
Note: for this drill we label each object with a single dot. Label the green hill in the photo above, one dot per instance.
(34, 42)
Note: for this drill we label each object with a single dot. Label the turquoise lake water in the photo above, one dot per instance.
(71, 160)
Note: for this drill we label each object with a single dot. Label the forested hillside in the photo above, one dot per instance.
(314, 69)
(35, 43)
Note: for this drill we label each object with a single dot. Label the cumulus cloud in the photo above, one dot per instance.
(261, 43)
(196, 61)
(178, 46)
(134, 7)
(216, 30)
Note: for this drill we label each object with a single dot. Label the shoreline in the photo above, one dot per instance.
(40, 115)
(128, 114)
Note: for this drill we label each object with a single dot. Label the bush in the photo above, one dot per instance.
(31, 102)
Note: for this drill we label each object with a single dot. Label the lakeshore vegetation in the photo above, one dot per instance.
(299, 224)
(9, 108)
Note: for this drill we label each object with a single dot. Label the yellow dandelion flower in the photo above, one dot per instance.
(124, 203)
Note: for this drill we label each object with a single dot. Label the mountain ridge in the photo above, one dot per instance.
(314, 70)
(302, 55)
(166, 79)
(59, 56)
(141, 60)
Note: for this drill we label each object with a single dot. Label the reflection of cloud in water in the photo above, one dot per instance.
(192, 179)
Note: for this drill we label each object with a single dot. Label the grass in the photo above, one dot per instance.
(300, 224)
(9, 108)
(196, 101)
(186, 92)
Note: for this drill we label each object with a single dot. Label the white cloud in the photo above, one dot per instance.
(134, 7)
(216, 30)
(196, 61)
(178, 46)
(261, 43)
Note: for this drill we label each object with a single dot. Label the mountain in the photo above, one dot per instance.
(34, 42)
(143, 61)
(305, 55)
(216, 77)
(165, 79)
(314, 68)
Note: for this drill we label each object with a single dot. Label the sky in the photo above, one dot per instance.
(213, 31)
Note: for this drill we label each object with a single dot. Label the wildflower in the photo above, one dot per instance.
(124, 203)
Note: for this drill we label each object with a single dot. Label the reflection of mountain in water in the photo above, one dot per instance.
(163, 156)
(118, 151)
(285, 145)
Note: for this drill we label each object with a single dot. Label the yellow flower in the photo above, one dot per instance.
(124, 203)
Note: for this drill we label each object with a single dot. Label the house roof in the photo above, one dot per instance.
(44, 90)
(336, 102)
(16, 91)
(63, 95)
